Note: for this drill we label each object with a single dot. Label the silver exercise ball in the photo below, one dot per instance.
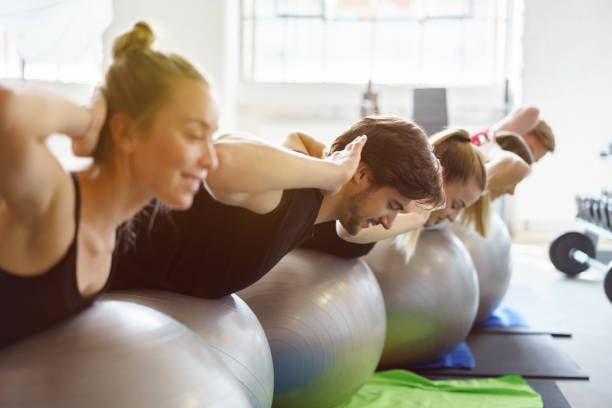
(492, 258)
(116, 354)
(229, 326)
(431, 300)
(324, 317)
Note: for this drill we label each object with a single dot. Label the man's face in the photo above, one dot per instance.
(537, 148)
(371, 205)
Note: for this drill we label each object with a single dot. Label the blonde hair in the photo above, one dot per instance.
(477, 215)
(460, 159)
(138, 81)
(461, 162)
(545, 135)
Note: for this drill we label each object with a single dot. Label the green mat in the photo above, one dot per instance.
(404, 389)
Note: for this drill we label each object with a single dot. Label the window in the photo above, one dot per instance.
(430, 42)
(86, 69)
(53, 40)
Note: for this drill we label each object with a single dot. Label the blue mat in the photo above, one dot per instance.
(503, 317)
(460, 357)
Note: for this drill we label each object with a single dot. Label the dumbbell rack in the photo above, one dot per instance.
(574, 252)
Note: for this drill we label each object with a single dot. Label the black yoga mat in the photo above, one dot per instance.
(542, 317)
(529, 355)
(552, 397)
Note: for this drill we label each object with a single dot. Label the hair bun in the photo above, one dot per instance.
(139, 38)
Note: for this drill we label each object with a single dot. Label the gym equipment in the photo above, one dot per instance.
(492, 259)
(324, 317)
(568, 250)
(116, 354)
(228, 326)
(574, 252)
(429, 109)
(431, 300)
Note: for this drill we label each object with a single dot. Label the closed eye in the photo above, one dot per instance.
(195, 136)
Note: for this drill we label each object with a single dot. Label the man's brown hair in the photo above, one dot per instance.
(398, 154)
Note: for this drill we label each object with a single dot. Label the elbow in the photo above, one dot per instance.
(220, 181)
(532, 111)
(519, 169)
(531, 115)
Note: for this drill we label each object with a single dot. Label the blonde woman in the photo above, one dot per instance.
(150, 136)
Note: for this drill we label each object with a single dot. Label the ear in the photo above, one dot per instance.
(122, 131)
(362, 175)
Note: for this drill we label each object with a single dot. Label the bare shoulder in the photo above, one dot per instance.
(35, 237)
(236, 137)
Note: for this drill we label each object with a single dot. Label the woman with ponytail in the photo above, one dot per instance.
(149, 132)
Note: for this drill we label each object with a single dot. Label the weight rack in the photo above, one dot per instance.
(573, 252)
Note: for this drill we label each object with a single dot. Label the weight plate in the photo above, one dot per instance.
(608, 284)
(559, 252)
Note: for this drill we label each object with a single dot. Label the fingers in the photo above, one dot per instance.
(357, 144)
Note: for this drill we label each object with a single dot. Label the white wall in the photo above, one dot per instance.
(567, 72)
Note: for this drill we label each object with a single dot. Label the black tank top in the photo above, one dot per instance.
(325, 239)
(212, 249)
(31, 304)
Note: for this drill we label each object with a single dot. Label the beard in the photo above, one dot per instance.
(351, 219)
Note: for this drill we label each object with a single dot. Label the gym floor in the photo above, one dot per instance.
(588, 313)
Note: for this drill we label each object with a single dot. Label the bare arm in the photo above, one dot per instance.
(30, 173)
(306, 143)
(506, 169)
(521, 121)
(414, 219)
(253, 173)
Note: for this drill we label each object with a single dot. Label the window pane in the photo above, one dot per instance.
(10, 63)
(449, 8)
(354, 9)
(300, 7)
(305, 55)
(348, 49)
(444, 51)
(399, 9)
(265, 8)
(270, 50)
(441, 42)
(396, 52)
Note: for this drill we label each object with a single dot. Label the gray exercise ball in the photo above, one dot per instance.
(229, 326)
(431, 300)
(116, 354)
(324, 317)
(492, 258)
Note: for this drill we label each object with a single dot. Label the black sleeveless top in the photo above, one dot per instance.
(325, 239)
(31, 304)
(212, 249)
